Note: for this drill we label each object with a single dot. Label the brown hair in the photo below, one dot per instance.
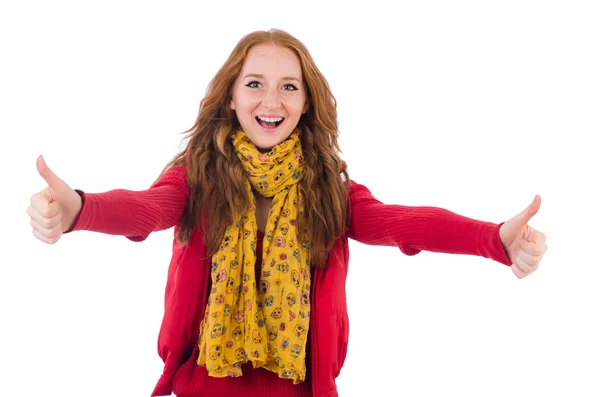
(215, 177)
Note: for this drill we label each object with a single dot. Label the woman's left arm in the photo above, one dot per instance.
(419, 228)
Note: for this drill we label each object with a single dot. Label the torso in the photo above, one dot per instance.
(192, 380)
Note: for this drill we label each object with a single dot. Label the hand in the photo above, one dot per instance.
(54, 209)
(524, 245)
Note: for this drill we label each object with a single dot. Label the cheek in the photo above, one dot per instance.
(246, 102)
(294, 106)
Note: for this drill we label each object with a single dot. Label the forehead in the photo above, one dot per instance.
(272, 61)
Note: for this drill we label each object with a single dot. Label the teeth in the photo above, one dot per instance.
(270, 119)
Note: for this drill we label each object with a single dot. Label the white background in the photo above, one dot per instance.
(468, 105)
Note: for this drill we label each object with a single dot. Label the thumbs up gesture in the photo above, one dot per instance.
(54, 209)
(524, 245)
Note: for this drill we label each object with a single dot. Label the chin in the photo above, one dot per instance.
(267, 143)
(267, 146)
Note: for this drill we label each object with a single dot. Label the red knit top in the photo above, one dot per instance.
(192, 380)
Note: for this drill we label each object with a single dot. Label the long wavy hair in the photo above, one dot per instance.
(215, 177)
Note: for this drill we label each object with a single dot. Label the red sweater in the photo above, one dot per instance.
(192, 380)
(135, 214)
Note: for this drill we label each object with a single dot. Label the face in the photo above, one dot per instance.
(269, 95)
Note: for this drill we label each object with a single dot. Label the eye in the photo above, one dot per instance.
(290, 87)
(253, 84)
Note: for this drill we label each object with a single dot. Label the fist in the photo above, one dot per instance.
(54, 209)
(524, 245)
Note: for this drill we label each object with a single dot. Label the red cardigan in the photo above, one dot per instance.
(192, 380)
(135, 214)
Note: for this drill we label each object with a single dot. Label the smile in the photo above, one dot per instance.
(269, 123)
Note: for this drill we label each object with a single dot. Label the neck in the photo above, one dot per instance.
(260, 197)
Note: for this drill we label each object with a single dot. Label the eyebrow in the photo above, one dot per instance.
(262, 76)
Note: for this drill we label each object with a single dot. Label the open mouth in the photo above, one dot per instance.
(269, 122)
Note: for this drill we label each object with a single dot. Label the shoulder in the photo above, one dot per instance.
(175, 175)
(359, 193)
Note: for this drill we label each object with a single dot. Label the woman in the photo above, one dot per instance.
(263, 207)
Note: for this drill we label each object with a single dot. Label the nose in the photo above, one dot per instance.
(271, 98)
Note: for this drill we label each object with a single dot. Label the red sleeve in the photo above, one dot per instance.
(415, 229)
(135, 214)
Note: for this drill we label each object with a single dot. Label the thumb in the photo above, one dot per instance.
(53, 181)
(530, 211)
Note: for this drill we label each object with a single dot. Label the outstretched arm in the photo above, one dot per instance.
(135, 214)
(414, 229)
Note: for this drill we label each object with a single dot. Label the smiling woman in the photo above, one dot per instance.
(262, 208)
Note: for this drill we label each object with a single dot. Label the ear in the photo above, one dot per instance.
(231, 105)
(305, 108)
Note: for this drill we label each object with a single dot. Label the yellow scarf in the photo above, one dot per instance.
(267, 322)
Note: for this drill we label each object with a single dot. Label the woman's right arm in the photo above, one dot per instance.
(58, 209)
(135, 214)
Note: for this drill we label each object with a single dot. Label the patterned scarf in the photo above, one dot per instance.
(267, 322)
